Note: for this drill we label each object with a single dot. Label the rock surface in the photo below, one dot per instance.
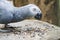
(2, 25)
(32, 30)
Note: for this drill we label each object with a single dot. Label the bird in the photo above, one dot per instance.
(10, 13)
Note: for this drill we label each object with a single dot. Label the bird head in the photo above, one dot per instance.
(35, 11)
(27, 12)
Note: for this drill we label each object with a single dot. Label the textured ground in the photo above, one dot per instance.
(32, 30)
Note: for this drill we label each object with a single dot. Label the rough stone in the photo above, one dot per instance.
(2, 25)
(32, 30)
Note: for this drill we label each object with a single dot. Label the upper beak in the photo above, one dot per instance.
(38, 16)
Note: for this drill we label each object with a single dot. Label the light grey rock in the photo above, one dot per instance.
(32, 30)
(2, 25)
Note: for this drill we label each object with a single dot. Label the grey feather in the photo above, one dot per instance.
(9, 13)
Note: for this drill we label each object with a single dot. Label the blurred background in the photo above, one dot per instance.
(50, 9)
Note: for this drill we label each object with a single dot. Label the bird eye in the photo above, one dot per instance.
(34, 9)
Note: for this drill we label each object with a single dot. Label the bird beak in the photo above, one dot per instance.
(38, 16)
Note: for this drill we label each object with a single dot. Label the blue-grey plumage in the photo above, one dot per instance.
(9, 13)
(5, 12)
(5, 17)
